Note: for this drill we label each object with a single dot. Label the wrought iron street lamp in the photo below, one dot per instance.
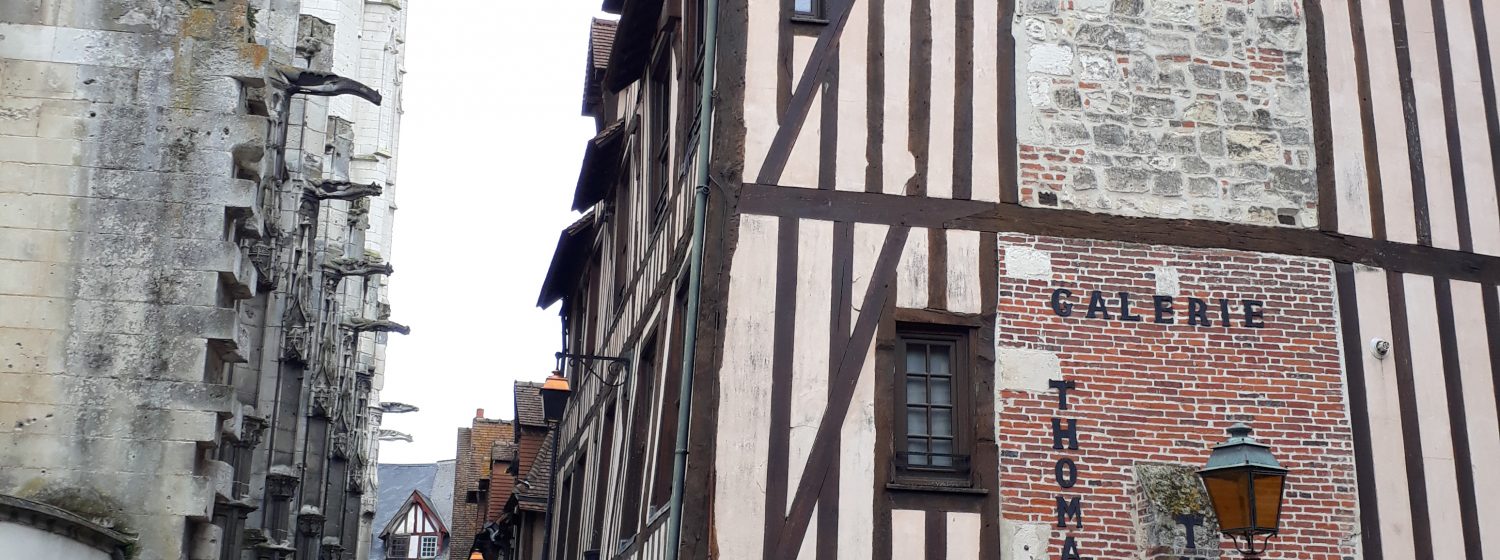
(1245, 486)
(555, 397)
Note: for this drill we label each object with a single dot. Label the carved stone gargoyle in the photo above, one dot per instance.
(340, 190)
(314, 82)
(392, 435)
(339, 268)
(379, 325)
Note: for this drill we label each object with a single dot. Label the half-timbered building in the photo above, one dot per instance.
(416, 531)
(989, 279)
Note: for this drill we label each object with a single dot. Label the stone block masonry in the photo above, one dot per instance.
(119, 131)
(1151, 393)
(167, 338)
(1166, 108)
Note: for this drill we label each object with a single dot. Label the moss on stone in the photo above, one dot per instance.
(1174, 488)
(85, 502)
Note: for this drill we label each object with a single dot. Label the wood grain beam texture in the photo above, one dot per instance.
(992, 217)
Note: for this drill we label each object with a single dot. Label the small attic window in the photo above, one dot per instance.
(807, 10)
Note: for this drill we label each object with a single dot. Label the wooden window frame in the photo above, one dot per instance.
(816, 12)
(659, 135)
(634, 494)
(404, 548)
(437, 546)
(620, 245)
(666, 428)
(961, 366)
(601, 475)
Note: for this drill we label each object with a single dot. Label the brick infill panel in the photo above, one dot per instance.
(1149, 393)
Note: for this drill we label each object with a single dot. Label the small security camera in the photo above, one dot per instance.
(1380, 347)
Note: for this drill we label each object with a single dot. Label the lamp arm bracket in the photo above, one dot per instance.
(620, 361)
(623, 361)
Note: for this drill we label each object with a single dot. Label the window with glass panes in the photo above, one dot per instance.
(429, 547)
(807, 8)
(398, 547)
(930, 393)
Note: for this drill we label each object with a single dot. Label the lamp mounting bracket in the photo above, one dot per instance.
(621, 360)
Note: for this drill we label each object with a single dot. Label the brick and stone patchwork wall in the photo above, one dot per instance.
(1170, 108)
(1151, 398)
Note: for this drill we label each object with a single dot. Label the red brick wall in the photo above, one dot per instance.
(473, 465)
(464, 479)
(483, 435)
(501, 485)
(1158, 393)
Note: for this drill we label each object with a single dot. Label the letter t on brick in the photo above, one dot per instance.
(1062, 387)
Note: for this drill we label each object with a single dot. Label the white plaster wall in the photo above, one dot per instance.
(1479, 408)
(1438, 468)
(908, 534)
(1383, 402)
(810, 348)
(744, 393)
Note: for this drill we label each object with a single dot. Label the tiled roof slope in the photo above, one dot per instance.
(529, 404)
(533, 494)
(601, 41)
(397, 483)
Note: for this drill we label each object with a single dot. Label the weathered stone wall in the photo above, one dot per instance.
(144, 224)
(120, 123)
(1168, 108)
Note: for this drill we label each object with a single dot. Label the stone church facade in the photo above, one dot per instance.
(196, 201)
(990, 279)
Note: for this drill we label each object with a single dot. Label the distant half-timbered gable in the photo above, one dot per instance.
(416, 531)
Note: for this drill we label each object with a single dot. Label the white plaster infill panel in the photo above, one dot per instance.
(908, 534)
(744, 393)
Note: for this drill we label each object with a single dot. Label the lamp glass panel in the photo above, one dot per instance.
(1229, 491)
(1268, 489)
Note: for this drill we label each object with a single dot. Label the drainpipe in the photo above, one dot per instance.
(695, 274)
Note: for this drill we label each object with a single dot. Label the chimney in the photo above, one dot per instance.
(479, 413)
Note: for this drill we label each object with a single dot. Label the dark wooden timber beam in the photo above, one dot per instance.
(973, 215)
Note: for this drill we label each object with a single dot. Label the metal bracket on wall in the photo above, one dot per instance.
(623, 362)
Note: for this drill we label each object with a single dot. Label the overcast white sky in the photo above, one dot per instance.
(490, 146)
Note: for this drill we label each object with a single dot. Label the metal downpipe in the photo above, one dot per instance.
(695, 274)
